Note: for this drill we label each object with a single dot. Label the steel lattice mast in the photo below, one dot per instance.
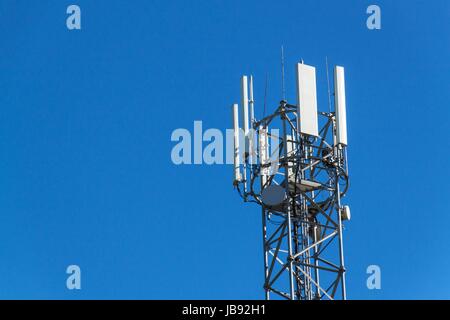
(298, 175)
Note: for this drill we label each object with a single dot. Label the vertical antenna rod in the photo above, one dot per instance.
(283, 90)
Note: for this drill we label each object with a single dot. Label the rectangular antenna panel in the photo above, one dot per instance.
(307, 99)
(339, 102)
(290, 153)
(244, 92)
(251, 135)
(237, 169)
(252, 102)
(264, 150)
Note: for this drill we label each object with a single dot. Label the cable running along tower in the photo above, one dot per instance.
(293, 164)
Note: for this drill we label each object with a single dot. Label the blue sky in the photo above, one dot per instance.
(86, 117)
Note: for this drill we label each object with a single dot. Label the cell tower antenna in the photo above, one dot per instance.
(297, 173)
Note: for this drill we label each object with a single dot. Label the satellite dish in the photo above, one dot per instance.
(273, 195)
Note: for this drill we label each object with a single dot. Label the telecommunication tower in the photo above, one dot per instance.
(293, 163)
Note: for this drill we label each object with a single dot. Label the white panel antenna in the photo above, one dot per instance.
(244, 92)
(237, 169)
(339, 102)
(263, 146)
(307, 99)
(290, 153)
(251, 137)
(252, 102)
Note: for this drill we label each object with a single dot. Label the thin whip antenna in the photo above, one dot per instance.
(283, 91)
(265, 94)
(328, 84)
